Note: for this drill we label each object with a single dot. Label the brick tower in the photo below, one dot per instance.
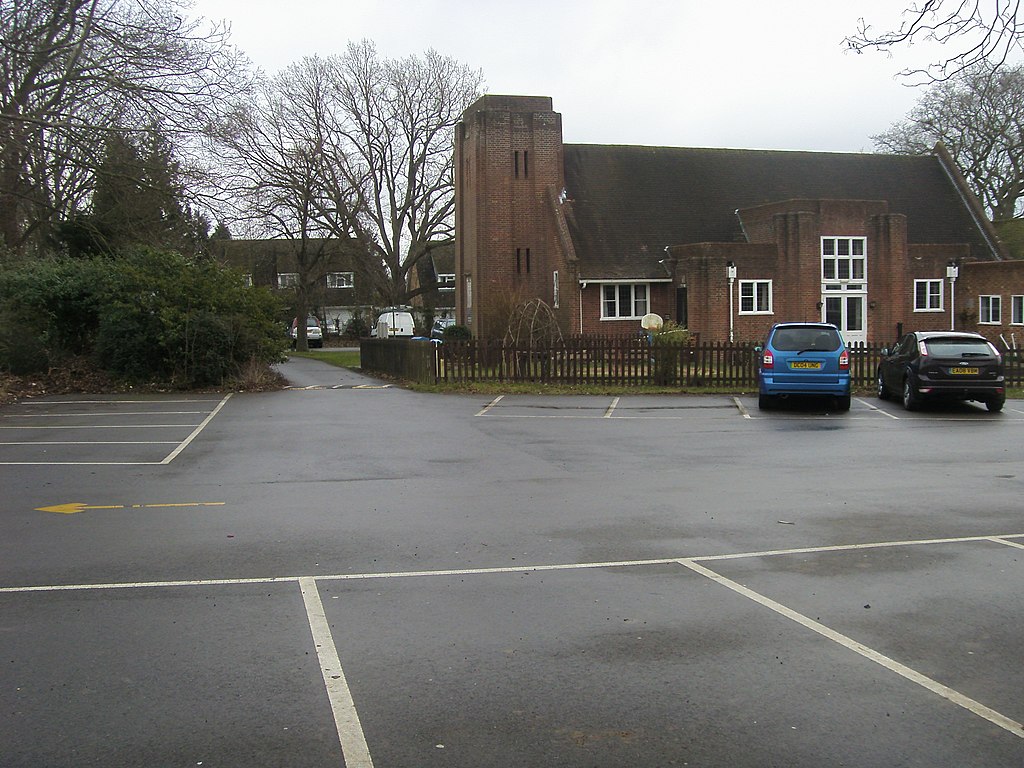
(509, 177)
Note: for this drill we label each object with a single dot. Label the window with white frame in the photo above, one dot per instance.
(622, 301)
(554, 288)
(755, 297)
(1017, 310)
(446, 281)
(990, 309)
(843, 259)
(287, 279)
(340, 280)
(928, 295)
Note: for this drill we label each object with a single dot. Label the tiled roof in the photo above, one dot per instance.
(630, 202)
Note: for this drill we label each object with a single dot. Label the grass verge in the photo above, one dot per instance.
(350, 359)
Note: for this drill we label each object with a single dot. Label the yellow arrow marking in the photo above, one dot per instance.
(77, 506)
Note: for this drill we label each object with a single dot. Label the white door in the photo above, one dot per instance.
(846, 312)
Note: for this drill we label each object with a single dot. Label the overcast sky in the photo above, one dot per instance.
(758, 74)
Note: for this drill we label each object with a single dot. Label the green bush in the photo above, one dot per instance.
(457, 333)
(357, 328)
(60, 298)
(126, 343)
(144, 316)
(22, 347)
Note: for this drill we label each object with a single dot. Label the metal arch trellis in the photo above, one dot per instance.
(532, 332)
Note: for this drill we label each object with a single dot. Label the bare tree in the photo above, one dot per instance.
(979, 116)
(279, 180)
(377, 135)
(396, 128)
(70, 70)
(979, 30)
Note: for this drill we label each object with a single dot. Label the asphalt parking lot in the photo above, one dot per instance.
(352, 574)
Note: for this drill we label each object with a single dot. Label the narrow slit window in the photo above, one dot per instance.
(526, 163)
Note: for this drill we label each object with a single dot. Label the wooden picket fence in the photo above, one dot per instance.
(597, 360)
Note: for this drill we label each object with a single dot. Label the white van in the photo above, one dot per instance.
(393, 322)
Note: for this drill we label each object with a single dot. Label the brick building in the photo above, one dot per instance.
(340, 290)
(723, 241)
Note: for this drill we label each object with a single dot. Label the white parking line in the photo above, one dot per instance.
(350, 733)
(91, 442)
(89, 414)
(741, 408)
(180, 446)
(976, 707)
(346, 719)
(611, 408)
(999, 540)
(995, 538)
(874, 407)
(195, 433)
(103, 426)
(490, 405)
(107, 402)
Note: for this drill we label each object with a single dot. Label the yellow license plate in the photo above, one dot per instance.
(809, 365)
(962, 371)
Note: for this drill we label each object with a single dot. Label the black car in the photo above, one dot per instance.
(927, 365)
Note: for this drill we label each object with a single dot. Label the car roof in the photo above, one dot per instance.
(923, 335)
(829, 326)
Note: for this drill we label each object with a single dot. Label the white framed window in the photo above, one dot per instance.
(1017, 310)
(755, 297)
(990, 309)
(624, 301)
(287, 279)
(844, 259)
(928, 295)
(446, 281)
(554, 287)
(340, 280)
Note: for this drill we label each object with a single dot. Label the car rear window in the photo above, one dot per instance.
(799, 339)
(953, 347)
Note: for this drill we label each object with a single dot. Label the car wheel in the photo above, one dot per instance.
(883, 391)
(843, 403)
(994, 406)
(911, 401)
(765, 402)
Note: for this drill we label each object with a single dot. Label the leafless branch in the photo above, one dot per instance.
(976, 31)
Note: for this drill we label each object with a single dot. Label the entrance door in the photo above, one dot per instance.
(846, 312)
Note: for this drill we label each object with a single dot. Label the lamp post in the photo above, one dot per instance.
(952, 271)
(730, 273)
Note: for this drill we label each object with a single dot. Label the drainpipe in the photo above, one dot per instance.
(730, 272)
(582, 286)
(952, 272)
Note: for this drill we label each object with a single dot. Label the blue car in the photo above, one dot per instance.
(804, 359)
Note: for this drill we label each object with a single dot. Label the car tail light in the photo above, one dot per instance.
(844, 361)
(768, 361)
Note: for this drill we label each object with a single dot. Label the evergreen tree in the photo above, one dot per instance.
(139, 199)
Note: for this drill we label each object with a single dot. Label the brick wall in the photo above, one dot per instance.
(509, 173)
(991, 278)
(790, 256)
(509, 156)
(661, 300)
